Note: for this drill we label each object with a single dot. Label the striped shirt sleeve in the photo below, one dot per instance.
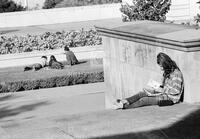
(173, 87)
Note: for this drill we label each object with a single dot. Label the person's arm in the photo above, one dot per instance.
(176, 85)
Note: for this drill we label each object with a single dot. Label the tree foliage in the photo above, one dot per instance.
(10, 6)
(145, 10)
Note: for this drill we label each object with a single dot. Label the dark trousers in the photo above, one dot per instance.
(142, 99)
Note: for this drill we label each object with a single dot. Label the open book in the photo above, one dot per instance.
(152, 88)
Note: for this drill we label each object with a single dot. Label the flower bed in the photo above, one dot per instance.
(14, 79)
(48, 41)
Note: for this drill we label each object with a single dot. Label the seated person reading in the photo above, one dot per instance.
(168, 93)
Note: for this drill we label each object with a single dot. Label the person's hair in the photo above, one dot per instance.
(66, 48)
(44, 57)
(52, 58)
(167, 64)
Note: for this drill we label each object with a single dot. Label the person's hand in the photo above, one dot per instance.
(159, 90)
(149, 89)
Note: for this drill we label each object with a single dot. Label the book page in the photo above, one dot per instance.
(153, 84)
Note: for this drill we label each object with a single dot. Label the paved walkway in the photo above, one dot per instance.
(35, 104)
(57, 27)
(78, 112)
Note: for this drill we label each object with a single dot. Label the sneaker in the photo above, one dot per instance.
(119, 105)
(124, 102)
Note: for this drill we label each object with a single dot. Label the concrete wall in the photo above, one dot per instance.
(60, 15)
(10, 60)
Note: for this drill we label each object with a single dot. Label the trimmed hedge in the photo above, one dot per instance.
(57, 81)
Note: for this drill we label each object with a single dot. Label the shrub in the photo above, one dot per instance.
(145, 10)
(72, 3)
(10, 6)
(65, 80)
(30, 85)
(48, 41)
(48, 4)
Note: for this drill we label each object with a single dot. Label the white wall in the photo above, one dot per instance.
(60, 15)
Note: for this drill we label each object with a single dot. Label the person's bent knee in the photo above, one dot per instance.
(165, 103)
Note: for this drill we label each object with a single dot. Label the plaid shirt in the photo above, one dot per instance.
(173, 86)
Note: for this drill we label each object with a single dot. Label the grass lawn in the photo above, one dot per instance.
(17, 73)
(15, 79)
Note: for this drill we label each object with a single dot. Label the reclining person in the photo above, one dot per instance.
(41, 63)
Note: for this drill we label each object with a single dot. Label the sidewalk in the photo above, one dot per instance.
(36, 104)
(78, 112)
(57, 27)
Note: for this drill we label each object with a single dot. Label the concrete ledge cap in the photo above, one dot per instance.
(173, 36)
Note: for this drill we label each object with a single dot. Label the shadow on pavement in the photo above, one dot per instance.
(8, 97)
(7, 31)
(186, 128)
(6, 111)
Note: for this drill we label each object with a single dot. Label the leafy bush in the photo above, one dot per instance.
(145, 10)
(10, 6)
(48, 4)
(69, 79)
(48, 41)
(72, 3)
